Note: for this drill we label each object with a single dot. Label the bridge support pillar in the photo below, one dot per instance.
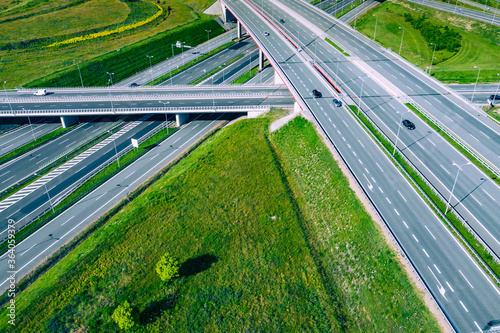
(277, 78)
(296, 107)
(181, 118)
(255, 114)
(67, 121)
(261, 60)
(227, 15)
(239, 29)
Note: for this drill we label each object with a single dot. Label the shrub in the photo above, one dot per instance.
(168, 267)
(123, 316)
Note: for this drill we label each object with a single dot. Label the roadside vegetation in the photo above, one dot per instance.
(348, 8)
(138, 30)
(474, 43)
(266, 235)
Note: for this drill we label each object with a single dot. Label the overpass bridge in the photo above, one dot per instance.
(179, 100)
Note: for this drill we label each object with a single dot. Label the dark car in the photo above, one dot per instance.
(282, 21)
(266, 33)
(316, 93)
(134, 85)
(408, 124)
(495, 97)
(337, 102)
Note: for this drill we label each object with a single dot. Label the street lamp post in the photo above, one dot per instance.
(29, 120)
(150, 67)
(432, 60)
(111, 77)
(208, 33)
(361, 94)
(376, 21)
(110, 98)
(48, 195)
(475, 86)
(494, 14)
(496, 91)
(401, 45)
(166, 117)
(116, 151)
(78, 65)
(454, 183)
(7, 96)
(399, 128)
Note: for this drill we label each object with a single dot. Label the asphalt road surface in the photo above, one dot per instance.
(44, 242)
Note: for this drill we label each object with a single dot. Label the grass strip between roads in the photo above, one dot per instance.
(454, 144)
(332, 4)
(167, 76)
(336, 46)
(90, 185)
(254, 237)
(248, 75)
(420, 185)
(348, 9)
(34, 144)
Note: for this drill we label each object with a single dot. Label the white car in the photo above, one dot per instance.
(40, 92)
(266, 33)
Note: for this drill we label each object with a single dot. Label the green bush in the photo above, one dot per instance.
(168, 267)
(123, 316)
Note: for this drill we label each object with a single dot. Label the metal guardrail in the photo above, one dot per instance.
(146, 110)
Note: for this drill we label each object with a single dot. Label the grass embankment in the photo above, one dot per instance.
(168, 75)
(479, 44)
(25, 57)
(91, 184)
(125, 62)
(432, 195)
(250, 259)
(33, 144)
(348, 8)
(337, 47)
(494, 112)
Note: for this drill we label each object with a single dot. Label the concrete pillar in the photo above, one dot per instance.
(255, 114)
(296, 107)
(277, 79)
(239, 29)
(261, 60)
(67, 121)
(181, 118)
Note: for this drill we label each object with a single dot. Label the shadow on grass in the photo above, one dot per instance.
(197, 265)
(154, 309)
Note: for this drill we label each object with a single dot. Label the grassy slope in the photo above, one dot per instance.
(355, 257)
(247, 264)
(480, 42)
(90, 15)
(216, 206)
(18, 67)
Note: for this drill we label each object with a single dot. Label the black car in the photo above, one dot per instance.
(266, 33)
(316, 93)
(134, 85)
(282, 21)
(408, 124)
(495, 97)
(337, 102)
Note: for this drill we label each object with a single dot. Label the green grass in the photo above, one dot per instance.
(315, 2)
(415, 178)
(330, 5)
(32, 145)
(28, 60)
(480, 41)
(337, 47)
(132, 59)
(348, 8)
(251, 258)
(494, 112)
(356, 260)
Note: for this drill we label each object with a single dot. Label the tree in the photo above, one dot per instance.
(123, 316)
(167, 267)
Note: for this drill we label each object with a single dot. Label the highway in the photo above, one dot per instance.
(20, 136)
(27, 164)
(266, 75)
(440, 260)
(428, 152)
(44, 242)
(249, 60)
(191, 74)
(33, 200)
(470, 13)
